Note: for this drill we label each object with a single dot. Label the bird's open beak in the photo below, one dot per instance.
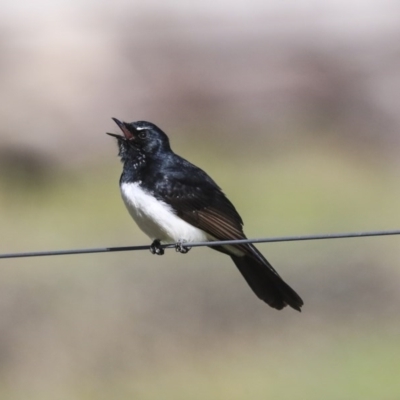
(127, 134)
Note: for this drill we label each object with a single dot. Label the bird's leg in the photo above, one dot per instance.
(155, 248)
(180, 248)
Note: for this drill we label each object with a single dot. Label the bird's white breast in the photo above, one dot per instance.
(156, 218)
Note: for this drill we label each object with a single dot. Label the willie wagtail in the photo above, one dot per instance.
(173, 201)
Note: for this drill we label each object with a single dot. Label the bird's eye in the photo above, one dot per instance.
(142, 134)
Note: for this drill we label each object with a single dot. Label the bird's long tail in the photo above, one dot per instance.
(266, 283)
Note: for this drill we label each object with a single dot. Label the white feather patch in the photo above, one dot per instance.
(156, 218)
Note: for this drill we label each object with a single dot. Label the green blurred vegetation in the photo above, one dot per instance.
(131, 325)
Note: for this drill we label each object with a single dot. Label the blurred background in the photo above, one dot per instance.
(293, 108)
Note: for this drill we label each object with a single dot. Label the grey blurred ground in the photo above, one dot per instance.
(299, 104)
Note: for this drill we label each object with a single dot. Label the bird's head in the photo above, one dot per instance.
(140, 137)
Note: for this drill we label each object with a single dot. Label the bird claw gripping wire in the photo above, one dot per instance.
(155, 248)
(180, 248)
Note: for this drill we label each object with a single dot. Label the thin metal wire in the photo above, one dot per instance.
(200, 244)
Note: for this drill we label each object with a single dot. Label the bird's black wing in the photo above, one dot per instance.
(198, 200)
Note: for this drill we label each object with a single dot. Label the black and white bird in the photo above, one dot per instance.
(173, 201)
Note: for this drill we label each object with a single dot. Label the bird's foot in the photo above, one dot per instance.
(155, 248)
(180, 248)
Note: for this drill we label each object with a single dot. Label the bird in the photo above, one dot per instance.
(174, 201)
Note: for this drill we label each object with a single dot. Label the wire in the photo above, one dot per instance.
(200, 244)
